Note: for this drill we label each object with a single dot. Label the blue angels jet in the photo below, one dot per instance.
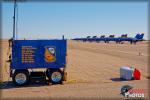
(138, 37)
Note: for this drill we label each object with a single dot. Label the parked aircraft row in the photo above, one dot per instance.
(124, 37)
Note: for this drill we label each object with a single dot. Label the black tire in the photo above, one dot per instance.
(25, 75)
(131, 42)
(52, 76)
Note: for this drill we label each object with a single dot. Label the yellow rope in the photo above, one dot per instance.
(75, 81)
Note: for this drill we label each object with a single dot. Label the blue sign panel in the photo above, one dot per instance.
(38, 54)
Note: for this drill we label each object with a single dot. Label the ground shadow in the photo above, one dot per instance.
(119, 79)
(148, 77)
(10, 85)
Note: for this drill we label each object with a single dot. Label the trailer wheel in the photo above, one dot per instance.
(21, 77)
(56, 76)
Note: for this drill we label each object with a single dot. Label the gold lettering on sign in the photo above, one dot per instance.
(28, 53)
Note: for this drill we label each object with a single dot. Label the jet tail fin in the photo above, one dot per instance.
(139, 36)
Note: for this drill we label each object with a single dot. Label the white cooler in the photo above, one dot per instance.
(126, 73)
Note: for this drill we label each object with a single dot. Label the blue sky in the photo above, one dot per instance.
(50, 20)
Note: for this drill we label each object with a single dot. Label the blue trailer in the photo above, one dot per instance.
(33, 54)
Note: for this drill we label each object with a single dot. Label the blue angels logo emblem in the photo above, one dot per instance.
(50, 54)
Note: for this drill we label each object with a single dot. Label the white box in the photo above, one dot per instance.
(126, 73)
